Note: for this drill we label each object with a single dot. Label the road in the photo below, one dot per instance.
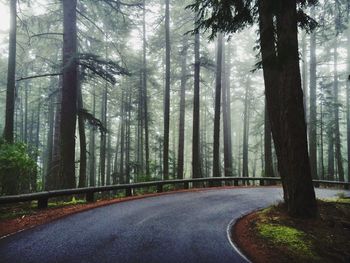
(182, 227)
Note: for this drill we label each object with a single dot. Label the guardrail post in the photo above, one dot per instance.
(317, 184)
(262, 182)
(159, 188)
(90, 197)
(186, 185)
(43, 203)
(128, 191)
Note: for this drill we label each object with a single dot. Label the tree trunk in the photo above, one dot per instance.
(337, 145)
(216, 139)
(11, 75)
(103, 137)
(226, 112)
(92, 179)
(82, 140)
(167, 93)
(285, 107)
(145, 93)
(245, 171)
(196, 159)
(348, 95)
(181, 143)
(69, 95)
(313, 107)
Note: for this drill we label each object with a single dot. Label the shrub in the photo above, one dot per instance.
(17, 169)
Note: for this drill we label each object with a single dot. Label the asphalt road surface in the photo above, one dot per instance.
(183, 227)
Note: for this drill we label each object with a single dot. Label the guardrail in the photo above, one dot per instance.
(43, 197)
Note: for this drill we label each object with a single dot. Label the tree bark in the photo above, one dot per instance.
(181, 143)
(338, 154)
(245, 171)
(167, 93)
(313, 107)
(226, 111)
(92, 179)
(11, 75)
(69, 95)
(285, 107)
(196, 159)
(82, 141)
(216, 139)
(268, 147)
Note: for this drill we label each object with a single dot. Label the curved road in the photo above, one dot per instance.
(183, 227)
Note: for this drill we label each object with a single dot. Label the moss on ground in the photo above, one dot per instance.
(295, 240)
(324, 239)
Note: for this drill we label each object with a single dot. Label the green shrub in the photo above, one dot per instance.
(17, 170)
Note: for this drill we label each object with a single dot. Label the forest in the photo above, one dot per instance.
(111, 92)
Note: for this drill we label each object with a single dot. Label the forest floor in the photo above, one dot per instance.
(18, 217)
(270, 235)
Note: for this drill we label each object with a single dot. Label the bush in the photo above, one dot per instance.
(17, 169)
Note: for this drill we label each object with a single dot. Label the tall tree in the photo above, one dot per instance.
(167, 92)
(196, 159)
(145, 93)
(245, 171)
(226, 110)
(216, 139)
(313, 107)
(11, 75)
(181, 142)
(82, 139)
(69, 95)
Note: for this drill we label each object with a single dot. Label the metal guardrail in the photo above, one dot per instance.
(43, 197)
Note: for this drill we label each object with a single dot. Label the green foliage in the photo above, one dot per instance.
(17, 169)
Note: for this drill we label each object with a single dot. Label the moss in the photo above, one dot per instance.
(291, 238)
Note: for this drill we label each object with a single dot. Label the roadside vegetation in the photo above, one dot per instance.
(273, 236)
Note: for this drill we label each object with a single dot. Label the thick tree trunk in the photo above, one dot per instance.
(166, 93)
(348, 96)
(11, 75)
(181, 143)
(69, 95)
(216, 139)
(285, 107)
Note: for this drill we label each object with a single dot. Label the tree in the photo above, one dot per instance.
(284, 96)
(313, 107)
(11, 75)
(69, 95)
(226, 111)
(167, 93)
(196, 159)
(216, 139)
(181, 145)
